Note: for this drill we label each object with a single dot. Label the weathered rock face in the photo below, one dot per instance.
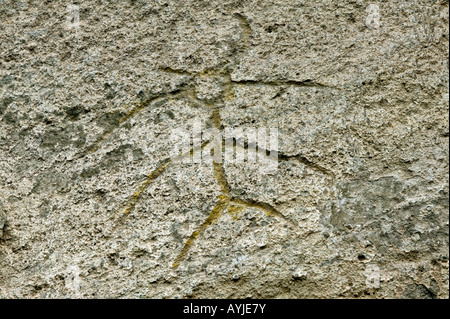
(93, 206)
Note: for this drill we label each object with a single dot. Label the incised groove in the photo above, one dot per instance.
(189, 90)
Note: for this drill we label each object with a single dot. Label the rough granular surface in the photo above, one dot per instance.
(93, 203)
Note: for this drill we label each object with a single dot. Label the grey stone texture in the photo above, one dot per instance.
(92, 206)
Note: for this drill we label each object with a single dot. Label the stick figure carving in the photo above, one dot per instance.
(210, 98)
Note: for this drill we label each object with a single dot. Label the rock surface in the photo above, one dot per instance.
(91, 206)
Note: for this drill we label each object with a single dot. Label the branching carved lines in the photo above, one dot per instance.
(225, 201)
(234, 206)
(212, 218)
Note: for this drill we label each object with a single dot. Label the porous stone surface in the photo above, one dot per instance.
(92, 205)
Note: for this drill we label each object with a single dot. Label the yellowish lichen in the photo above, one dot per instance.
(212, 218)
(234, 210)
